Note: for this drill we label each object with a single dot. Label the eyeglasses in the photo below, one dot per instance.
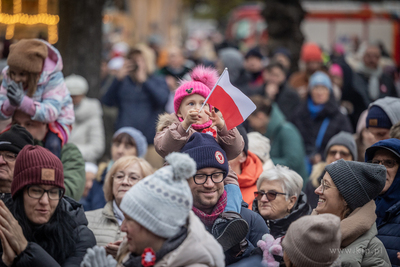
(271, 195)
(38, 192)
(343, 154)
(388, 163)
(131, 177)
(216, 177)
(8, 156)
(326, 186)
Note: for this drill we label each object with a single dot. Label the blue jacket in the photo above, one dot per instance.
(388, 205)
(95, 199)
(138, 104)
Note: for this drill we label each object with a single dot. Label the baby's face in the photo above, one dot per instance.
(195, 102)
(19, 76)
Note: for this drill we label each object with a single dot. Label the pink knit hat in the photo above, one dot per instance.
(336, 70)
(203, 80)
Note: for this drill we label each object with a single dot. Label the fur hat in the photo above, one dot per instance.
(28, 55)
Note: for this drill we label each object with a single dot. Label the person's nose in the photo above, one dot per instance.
(318, 190)
(123, 226)
(120, 149)
(209, 183)
(126, 180)
(2, 161)
(264, 198)
(17, 78)
(44, 199)
(337, 156)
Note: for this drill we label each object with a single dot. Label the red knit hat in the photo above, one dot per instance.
(311, 52)
(36, 165)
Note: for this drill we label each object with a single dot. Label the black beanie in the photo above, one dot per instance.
(206, 152)
(15, 139)
(357, 182)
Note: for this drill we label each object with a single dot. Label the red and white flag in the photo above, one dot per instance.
(233, 104)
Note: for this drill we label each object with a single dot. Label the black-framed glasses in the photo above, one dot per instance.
(38, 192)
(271, 195)
(388, 163)
(8, 156)
(216, 177)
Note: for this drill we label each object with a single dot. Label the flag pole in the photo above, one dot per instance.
(205, 101)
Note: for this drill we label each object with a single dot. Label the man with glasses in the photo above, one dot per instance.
(210, 198)
(340, 146)
(11, 143)
(387, 153)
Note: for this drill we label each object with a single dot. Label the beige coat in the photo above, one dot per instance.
(199, 249)
(104, 225)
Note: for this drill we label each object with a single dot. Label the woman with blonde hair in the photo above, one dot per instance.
(106, 222)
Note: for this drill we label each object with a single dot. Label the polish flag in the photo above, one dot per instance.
(233, 104)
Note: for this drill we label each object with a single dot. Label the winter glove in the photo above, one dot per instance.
(96, 257)
(15, 93)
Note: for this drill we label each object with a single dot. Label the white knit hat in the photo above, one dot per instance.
(162, 201)
(77, 85)
(259, 145)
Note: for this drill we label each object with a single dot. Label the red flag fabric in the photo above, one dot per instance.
(233, 104)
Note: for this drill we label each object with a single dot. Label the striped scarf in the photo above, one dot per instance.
(209, 219)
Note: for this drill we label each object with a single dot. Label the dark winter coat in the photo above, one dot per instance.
(388, 207)
(279, 227)
(309, 127)
(95, 198)
(359, 95)
(287, 99)
(34, 255)
(138, 104)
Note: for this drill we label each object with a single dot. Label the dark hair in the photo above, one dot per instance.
(275, 65)
(124, 138)
(55, 236)
(262, 104)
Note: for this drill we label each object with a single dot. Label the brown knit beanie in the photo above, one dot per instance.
(313, 241)
(36, 165)
(28, 55)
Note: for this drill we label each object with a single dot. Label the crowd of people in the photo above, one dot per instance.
(311, 178)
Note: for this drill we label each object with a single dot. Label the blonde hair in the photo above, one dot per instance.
(120, 164)
(33, 79)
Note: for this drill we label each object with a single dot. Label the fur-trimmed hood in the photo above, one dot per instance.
(164, 120)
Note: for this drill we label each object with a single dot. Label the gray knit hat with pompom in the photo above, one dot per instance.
(161, 202)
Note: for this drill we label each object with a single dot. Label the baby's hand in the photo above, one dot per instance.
(191, 117)
(216, 120)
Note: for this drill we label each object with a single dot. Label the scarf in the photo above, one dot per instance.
(314, 109)
(386, 201)
(373, 80)
(118, 213)
(209, 219)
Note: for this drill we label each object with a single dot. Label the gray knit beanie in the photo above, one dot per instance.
(162, 201)
(357, 182)
(343, 139)
(313, 241)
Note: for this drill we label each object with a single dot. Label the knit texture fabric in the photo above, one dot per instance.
(343, 139)
(206, 152)
(378, 118)
(209, 219)
(313, 241)
(243, 133)
(15, 139)
(320, 78)
(311, 52)
(140, 139)
(36, 165)
(162, 201)
(76, 84)
(28, 55)
(357, 182)
(391, 106)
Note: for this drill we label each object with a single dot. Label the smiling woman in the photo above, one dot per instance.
(42, 227)
(106, 222)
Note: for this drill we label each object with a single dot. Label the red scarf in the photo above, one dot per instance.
(209, 219)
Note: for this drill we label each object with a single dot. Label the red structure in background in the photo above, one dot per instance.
(248, 17)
